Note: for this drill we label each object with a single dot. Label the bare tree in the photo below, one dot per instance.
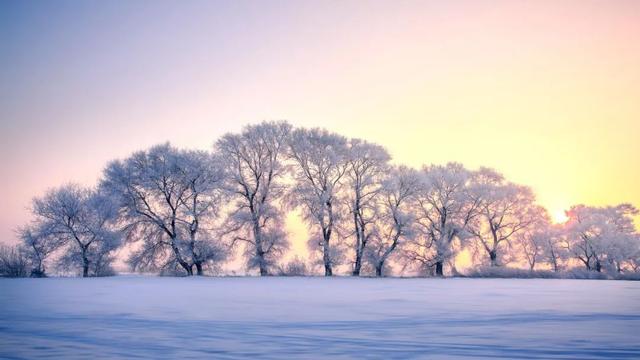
(79, 219)
(397, 215)
(255, 169)
(367, 164)
(504, 210)
(167, 197)
(320, 161)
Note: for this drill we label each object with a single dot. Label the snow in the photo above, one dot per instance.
(154, 317)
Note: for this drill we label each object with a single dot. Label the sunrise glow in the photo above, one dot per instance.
(320, 179)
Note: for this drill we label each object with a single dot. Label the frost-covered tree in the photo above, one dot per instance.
(598, 236)
(168, 199)
(14, 262)
(504, 210)
(535, 243)
(396, 220)
(621, 252)
(79, 220)
(254, 164)
(367, 164)
(633, 262)
(554, 248)
(320, 164)
(445, 212)
(38, 243)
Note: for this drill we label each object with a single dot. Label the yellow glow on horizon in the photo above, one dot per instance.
(545, 92)
(560, 216)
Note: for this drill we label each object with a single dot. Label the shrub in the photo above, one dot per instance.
(295, 267)
(506, 272)
(13, 262)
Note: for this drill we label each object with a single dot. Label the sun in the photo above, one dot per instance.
(560, 216)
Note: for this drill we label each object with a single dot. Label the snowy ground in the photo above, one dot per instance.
(151, 317)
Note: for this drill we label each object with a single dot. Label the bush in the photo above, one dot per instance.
(512, 273)
(584, 274)
(506, 273)
(628, 276)
(13, 262)
(295, 267)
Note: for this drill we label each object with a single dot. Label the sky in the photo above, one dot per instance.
(547, 92)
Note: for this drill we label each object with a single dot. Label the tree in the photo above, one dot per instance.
(320, 161)
(620, 252)
(38, 243)
(255, 168)
(445, 210)
(397, 215)
(166, 198)
(504, 210)
(366, 165)
(554, 249)
(79, 219)
(535, 242)
(634, 256)
(14, 262)
(597, 235)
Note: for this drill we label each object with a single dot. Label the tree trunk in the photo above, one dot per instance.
(199, 269)
(263, 269)
(379, 267)
(439, 268)
(598, 266)
(358, 265)
(358, 262)
(257, 235)
(85, 270)
(186, 267)
(494, 258)
(85, 265)
(328, 271)
(326, 257)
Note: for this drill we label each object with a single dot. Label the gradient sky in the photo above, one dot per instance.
(548, 92)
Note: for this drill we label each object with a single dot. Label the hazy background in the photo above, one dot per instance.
(546, 92)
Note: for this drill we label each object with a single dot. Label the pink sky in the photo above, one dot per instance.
(548, 92)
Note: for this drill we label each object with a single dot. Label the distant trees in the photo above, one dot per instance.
(254, 162)
(183, 211)
(166, 198)
(602, 236)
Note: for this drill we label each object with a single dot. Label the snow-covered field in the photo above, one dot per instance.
(152, 317)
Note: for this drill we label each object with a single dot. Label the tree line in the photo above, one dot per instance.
(189, 212)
